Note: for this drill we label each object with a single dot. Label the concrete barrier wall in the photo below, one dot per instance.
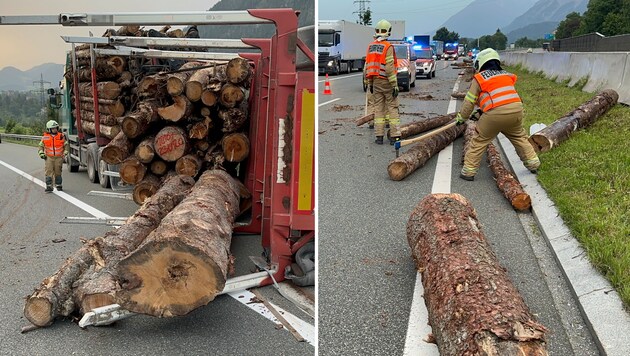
(604, 70)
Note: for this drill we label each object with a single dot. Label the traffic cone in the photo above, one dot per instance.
(327, 90)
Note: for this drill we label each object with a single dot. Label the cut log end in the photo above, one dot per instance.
(175, 279)
(397, 171)
(540, 143)
(38, 311)
(235, 147)
(522, 201)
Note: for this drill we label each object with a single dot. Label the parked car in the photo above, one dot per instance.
(406, 65)
(425, 63)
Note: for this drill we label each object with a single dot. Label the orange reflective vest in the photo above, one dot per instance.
(54, 145)
(375, 59)
(497, 89)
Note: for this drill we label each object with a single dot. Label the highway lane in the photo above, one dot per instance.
(366, 274)
(29, 221)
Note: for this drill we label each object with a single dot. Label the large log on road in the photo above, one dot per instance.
(184, 263)
(585, 115)
(474, 309)
(507, 184)
(420, 153)
(54, 296)
(417, 127)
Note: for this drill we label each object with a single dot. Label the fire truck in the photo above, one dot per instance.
(280, 170)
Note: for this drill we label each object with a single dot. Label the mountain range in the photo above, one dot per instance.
(12, 78)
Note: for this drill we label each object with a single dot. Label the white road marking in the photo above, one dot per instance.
(328, 102)
(339, 78)
(418, 327)
(63, 195)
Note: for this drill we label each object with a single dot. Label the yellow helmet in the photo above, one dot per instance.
(484, 56)
(383, 29)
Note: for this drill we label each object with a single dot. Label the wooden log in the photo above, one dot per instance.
(181, 108)
(159, 167)
(171, 143)
(188, 165)
(132, 171)
(420, 153)
(97, 286)
(104, 119)
(117, 149)
(176, 82)
(209, 98)
(238, 70)
(201, 145)
(365, 119)
(508, 185)
(584, 116)
(417, 127)
(233, 119)
(474, 309)
(175, 33)
(106, 90)
(137, 122)
(153, 86)
(148, 186)
(459, 95)
(53, 297)
(235, 147)
(145, 152)
(199, 130)
(89, 99)
(125, 79)
(183, 264)
(230, 95)
(106, 131)
(201, 80)
(205, 111)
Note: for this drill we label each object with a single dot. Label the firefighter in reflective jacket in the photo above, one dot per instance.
(380, 65)
(53, 148)
(493, 91)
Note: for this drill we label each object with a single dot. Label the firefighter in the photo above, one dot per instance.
(380, 65)
(493, 91)
(53, 148)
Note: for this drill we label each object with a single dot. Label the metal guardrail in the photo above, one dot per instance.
(14, 137)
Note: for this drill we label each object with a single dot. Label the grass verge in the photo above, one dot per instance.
(587, 176)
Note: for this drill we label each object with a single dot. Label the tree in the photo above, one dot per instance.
(609, 17)
(569, 26)
(525, 42)
(10, 125)
(499, 40)
(366, 19)
(441, 34)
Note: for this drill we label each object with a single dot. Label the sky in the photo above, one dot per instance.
(24, 47)
(421, 16)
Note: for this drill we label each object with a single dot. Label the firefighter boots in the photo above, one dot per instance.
(379, 140)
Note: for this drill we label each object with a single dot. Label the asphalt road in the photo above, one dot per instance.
(366, 274)
(29, 221)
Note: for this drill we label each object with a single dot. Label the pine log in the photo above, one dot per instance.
(421, 152)
(176, 82)
(153, 86)
(209, 98)
(53, 297)
(97, 286)
(145, 150)
(104, 119)
(145, 188)
(176, 33)
(199, 130)
(474, 309)
(205, 111)
(183, 264)
(508, 185)
(469, 134)
(171, 143)
(230, 95)
(106, 90)
(365, 119)
(89, 99)
(181, 108)
(459, 95)
(417, 127)
(137, 122)
(106, 68)
(125, 79)
(132, 171)
(117, 149)
(106, 131)
(235, 147)
(188, 165)
(201, 145)
(584, 116)
(233, 119)
(238, 70)
(159, 167)
(206, 78)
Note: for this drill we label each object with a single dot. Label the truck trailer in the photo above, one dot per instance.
(342, 46)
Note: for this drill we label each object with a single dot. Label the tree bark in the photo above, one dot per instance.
(417, 127)
(230, 95)
(366, 118)
(145, 151)
(206, 78)
(159, 167)
(171, 143)
(474, 309)
(106, 90)
(117, 149)
(508, 185)
(584, 116)
(104, 119)
(106, 131)
(176, 82)
(181, 108)
(115, 109)
(153, 86)
(459, 95)
(185, 261)
(420, 153)
(53, 297)
(238, 70)
(188, 165)
(132, 171)
(145, 188)
(199, 130)
(235, 147)
(233, 119)
(137, 122)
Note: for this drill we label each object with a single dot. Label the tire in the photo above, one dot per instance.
(72, 166)
(433, 73)
(413, 84)
(406, 87)
(348, 68)
(429, 75)
(102, 178)
(91, 167)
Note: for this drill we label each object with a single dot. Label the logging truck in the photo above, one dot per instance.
(273, 110)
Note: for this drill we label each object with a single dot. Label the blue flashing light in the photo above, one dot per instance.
(409, 38)
(417, 47)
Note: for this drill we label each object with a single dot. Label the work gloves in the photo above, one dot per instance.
(459, 119)
(395, 92)
(42, 156)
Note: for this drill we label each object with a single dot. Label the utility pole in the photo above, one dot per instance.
(41, 90)
(364, 5)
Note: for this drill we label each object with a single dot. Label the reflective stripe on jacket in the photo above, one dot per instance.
(376, 60)
(54, 144)
(497, 89)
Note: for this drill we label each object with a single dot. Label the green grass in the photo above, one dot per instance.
(587, 176)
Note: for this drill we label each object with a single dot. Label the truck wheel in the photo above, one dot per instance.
(349, 67)
(91, 167)
(73, 166)
(102, 178)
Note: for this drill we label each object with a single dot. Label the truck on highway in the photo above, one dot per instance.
(398, 30)
(450, 51)
(461, 50)
(342, 45)
(438, 48)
